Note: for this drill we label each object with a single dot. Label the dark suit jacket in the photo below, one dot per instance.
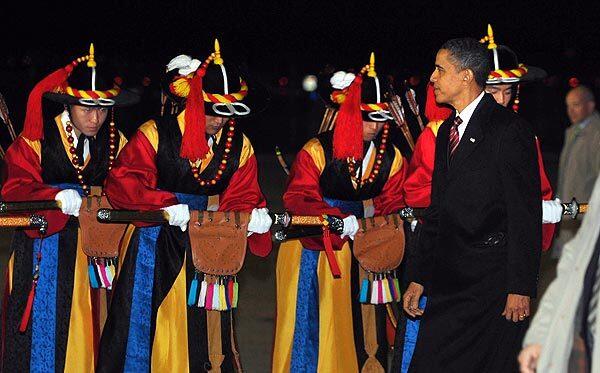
(480, 242)
(485, 212)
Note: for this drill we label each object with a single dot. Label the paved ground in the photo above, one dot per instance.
(256, 314)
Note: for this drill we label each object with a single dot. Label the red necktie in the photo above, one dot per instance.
(454, 137)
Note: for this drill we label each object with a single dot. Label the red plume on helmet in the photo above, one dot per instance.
(433, 111)
(347, 133)
(33, 128)
(193, 143)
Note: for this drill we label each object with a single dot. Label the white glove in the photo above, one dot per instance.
(179, 215)
(70, 201)
(552, 211)
(260, 221)
(350, 227)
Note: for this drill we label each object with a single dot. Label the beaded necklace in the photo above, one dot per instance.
(223, 162)
(75, 159)
(378, 160)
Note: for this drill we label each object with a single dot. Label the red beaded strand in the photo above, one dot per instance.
(378, 160)
(75, 159)
(224, 160)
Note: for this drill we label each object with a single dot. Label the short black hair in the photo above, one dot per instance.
(469, 53)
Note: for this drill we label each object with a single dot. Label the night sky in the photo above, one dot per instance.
(274, 35)
(293, 38)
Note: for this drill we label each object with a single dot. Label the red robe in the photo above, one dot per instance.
(417, 186)
(132, 185)
(303, 194)
(24, 180)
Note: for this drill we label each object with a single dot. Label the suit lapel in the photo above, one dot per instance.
(473, 135)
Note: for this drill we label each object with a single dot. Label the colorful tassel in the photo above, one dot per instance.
(216, 298)
(230, 292)
(111, 271)
(28, 307)
(392, 289)
(364, 289)
(209, 297)
(31, 296)
(222, 300)
(374, 287)
(192, 296)
(102, 271)
(397, 284)
(235, 293)
(92, 275)
(380, 292)
(387, 294)
(202, 297)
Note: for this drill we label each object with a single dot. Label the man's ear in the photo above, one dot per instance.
(467, 76)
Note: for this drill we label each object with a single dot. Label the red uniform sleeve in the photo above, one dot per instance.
(417, 186)
(547, 193)
(131, 184)
(24, 183)
(391, 198)
(243, 194)
(303, 197)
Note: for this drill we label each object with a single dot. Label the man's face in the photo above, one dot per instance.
(88, 119)
(578, 108)
(502, 93)
(371, 130)
(214, 124)
(447, 79)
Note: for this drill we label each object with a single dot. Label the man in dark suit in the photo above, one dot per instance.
(479, 249)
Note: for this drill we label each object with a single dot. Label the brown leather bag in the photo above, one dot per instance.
(379, 243)
(218, 241)
(97, 239)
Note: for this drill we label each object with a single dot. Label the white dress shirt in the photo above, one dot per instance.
(466, 114)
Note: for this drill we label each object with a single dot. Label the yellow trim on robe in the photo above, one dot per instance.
(247, 151)
(287, 272)
(63, 137)
(10, 269)
(169, 347)
(122, 142)
(80, 354)
(315, 149)
(435, 126)
(36, 146)
(397, 163)
(149, 130)
(337, 351)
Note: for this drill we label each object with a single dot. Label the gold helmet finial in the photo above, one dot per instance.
(489, 38)
(372, 72)
(91, 62)
(218, 60)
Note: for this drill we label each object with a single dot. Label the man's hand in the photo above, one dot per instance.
(517, 307)
(528, 358)
(411, 298)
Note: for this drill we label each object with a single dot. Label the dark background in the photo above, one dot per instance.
(289, 39)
